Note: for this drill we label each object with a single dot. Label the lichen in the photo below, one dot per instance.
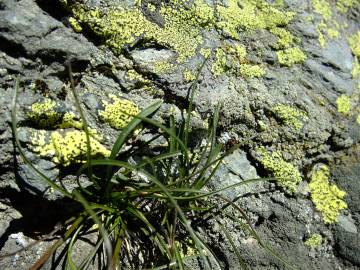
(219, 65)
(251, 71)
(162, 67)
(231, 58)
(75, 25)
(250, 15)
(343, 104)
(178, 25)
(355, 72)
(67, 147)
(181, 29)
(354, 42)
(46, 114)
(119, 112)
(344, 5)
(328, 26)
(358, 119)
(205, 52)
(292, 117)
(287, 175)
(188, 75)
(133, 75)
(291, 56)
(323, 8)
(328, 199)
(314, 241)
(285, 38)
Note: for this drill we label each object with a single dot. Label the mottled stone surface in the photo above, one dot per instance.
(243, 72)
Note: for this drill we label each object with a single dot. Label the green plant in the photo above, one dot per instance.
(150, 206)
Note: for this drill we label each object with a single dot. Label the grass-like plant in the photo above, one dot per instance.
(144, 208)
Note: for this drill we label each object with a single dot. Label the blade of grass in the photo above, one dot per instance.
(122, 138)
(93, 215)
(84, 123)
(50, 251)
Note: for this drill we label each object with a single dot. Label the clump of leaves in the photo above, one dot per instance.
(145, 212)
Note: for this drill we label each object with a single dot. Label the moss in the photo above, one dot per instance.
(344, 5)
(291, 56)
(314, 241)
(354, 42)
(292, 117)
(119, 112)
(188, 75)
(67, 147)
(328, 199)
(287, 175)
(46, 114)
(343, 104)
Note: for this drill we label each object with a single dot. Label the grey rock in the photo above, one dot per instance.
(28, 27)
(348, 245)
(338, 54)
(339, 84)
(238, 163)
(347, 223)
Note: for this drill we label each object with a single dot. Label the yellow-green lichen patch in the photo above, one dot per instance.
(328, 28)
(354, 42)
(133, 75)
(46, 114)
(328, 199)
(323, 8)
(343, 104)
(119, 27)
(251, 71)
(286, 173)
(231, 58)
(67, 147)
(163, 67)
(250, 15)
(119, 112)
(219, 65)
(314, 241)
(205, 52)
(188, 75)
(75, 25)
(355, 72)
(344, 5)
(292, 117)
(291, 56)
(285, 38)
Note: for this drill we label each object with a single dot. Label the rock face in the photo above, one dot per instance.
(286, 74)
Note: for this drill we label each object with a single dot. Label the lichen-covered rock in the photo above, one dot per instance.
(287, 74)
